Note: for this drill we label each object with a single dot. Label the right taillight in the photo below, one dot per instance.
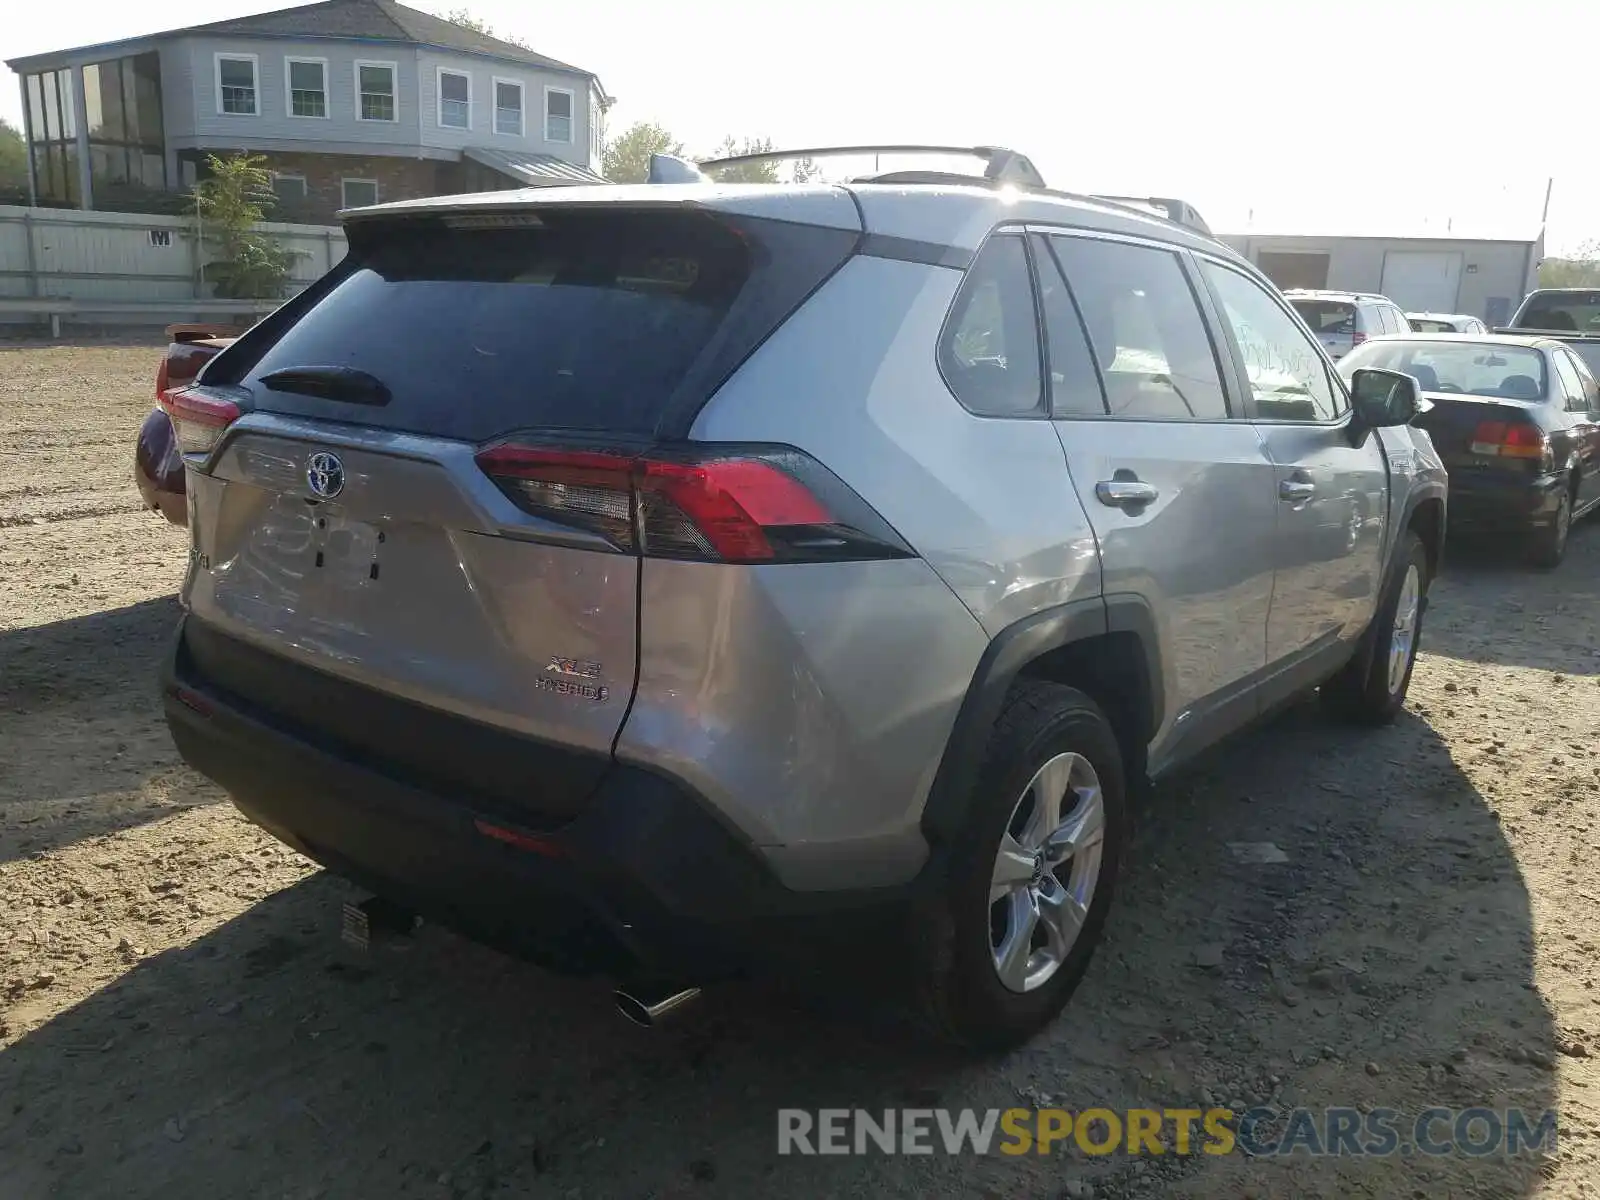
(180, 366)
(729, 505)
(198, 420)
(1357, 338)
(1510, 439)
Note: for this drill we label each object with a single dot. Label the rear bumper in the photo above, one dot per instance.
(1484, 506)
(643, 881)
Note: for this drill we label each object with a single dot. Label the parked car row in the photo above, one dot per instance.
(1344, 320)
(680, 582)
(1515, 420)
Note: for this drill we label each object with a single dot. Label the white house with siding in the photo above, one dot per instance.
(351, 101)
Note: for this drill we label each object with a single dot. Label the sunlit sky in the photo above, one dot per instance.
(1398, 117)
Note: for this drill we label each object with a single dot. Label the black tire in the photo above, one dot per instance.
(1549, 543)
(962, 995)
(1361, 692)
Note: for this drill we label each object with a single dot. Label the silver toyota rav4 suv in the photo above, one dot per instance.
(679, 580)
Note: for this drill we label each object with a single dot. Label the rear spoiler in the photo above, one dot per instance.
(186, 334)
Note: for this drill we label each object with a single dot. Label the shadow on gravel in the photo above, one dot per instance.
(80, 722)
(1490, 606)
(266, 1060)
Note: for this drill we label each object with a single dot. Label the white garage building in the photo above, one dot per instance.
(1483, 277)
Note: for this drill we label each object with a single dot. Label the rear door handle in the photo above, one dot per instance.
(1124, 493)
(1296, 491)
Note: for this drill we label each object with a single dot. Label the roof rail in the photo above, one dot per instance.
(1179, 212)
(999, 164)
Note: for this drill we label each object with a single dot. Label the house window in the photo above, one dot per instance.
(508, 107)
(307, 85)
(375, 91)
(357, 193)
(289, 189)
(557, 115)
(236, 85)
(455, 100)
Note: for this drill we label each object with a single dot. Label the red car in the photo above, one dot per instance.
(157, 462)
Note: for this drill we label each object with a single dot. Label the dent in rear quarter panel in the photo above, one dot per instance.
(852, 379)
(809, 703)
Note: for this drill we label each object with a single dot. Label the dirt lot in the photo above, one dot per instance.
(178, 1017)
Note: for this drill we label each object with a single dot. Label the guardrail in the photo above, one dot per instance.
(55, 308)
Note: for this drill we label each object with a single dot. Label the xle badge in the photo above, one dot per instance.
(571, 677)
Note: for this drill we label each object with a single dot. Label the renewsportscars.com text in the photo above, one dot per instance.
(1256, 1132)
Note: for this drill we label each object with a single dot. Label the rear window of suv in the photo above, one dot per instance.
(575, 319)
(1326, 316)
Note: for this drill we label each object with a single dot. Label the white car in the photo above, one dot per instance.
(1445, 323)
(1341, 321)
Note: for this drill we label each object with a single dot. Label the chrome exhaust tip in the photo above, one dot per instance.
(651, 1007)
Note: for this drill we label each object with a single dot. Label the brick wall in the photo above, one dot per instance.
(398, 179)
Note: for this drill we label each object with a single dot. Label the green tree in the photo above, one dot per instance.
(806, 170)
(626, 158)
(231, 202)
(13, 157)
(464, 18)
(1581, 270)
(766, 172)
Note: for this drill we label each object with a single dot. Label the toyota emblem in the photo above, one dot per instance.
(325, 475)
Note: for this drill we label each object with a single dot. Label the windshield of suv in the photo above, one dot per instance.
(1567, 312)
(1326, 316)
(1467, 368)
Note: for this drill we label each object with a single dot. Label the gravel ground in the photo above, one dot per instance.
(178, 1017)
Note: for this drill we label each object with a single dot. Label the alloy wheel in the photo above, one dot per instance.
(1045, 872)
(1403, 638)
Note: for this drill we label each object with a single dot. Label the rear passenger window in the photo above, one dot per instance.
(1571, 384)
(1591, 390)
(1074, 381)
(1288, 377)
(989, 351)
(1401, 324)
(1145, 329)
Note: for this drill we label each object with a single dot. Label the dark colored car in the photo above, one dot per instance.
(1516, 420)
(1570, 315)
(157, 458)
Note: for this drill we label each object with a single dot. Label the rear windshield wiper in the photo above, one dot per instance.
(330, 383)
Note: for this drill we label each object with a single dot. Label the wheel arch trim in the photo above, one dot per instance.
(1007, 657)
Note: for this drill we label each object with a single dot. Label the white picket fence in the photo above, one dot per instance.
(143, 268)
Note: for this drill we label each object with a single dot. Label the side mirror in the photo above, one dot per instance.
(1382, 398)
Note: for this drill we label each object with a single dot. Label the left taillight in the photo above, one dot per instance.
(198, 420)
(729, 505)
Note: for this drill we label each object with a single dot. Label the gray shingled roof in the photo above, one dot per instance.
(375, 20)
(381, 19)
